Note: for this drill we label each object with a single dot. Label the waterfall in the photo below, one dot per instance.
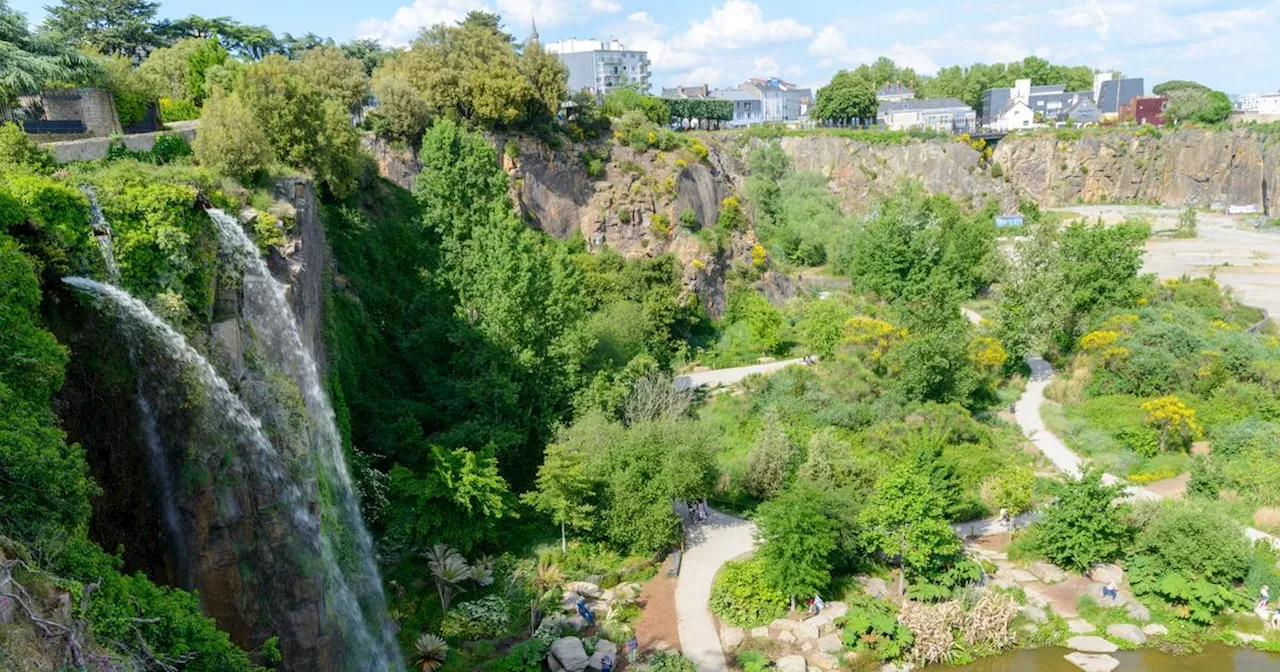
(276, 328)
(102, 233)
(265, 463)
(164, 483)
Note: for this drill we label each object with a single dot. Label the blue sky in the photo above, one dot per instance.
(1227, 44)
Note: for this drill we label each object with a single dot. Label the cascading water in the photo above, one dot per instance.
(264, 463)
(164, 482)
(103, 234)
(276, 328)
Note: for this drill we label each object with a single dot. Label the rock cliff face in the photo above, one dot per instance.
(1192, 167)
(640, 204)
(234, 540)
(859, 171)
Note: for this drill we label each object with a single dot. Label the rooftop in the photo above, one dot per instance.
(924, 104)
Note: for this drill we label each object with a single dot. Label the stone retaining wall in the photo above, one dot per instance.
(91, 149)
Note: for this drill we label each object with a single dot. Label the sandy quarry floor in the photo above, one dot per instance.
(1246, 259)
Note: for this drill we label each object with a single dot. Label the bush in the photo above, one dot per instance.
(17, 151)
(666, 661)
(1011, 489)
(170, 146)
(742, 597)
(230, 141)
(178, 110)
(1083, 527)
(872, 626)
(485, 618)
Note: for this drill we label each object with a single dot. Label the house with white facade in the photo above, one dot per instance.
(600, 66)
(894, 92)
(1260, 103)
(945, 115)
(748, 109)
(1016, 115)
(780, 101)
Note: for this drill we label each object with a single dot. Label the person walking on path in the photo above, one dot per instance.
(1265, 594)
(633, 649)
(1112, 591)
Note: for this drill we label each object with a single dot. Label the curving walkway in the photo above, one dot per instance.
(1027, 413)
(708, 545)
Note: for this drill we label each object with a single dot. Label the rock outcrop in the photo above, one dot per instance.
(1191, 167)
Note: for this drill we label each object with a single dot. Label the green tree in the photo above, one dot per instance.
(905, 519)
(32, 60)
(401, 106)
(549, 78)
(770, 458)
(847, 98)
(797, 537)
(626, 99)
(18, 152)
(179, 71)
(117, 27)
(565, 489)
(335, 75)
(230, 141)
(368, 51)
(458, 500)
(1034, 294)
(764, 322)
(1084, 526)
(1166, 88)
(1198, 106)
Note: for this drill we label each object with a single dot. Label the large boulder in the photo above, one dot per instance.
(1092, 662)
(836, 610)
(801, 630)
(1107, 573)
(604, 648)
(1047, 573)
(731, 637)
(585, 589)
(1154, 630)
(792, 664)
(1127, 631)
(829, 643)
(824, 661)
(822, 622)
(569, 654)
(874, 586)
(761, 632)
(1079, 626)
(1138, 611)
(1035, 614)
(1091, 644)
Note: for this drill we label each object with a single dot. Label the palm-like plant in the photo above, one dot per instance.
(449, 569)
(547, 577)
(431, 651)
(482, 570)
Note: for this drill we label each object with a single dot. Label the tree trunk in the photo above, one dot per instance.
(564, 545)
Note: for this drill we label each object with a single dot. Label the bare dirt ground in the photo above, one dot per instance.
(1173, 488)
(1244, 258)
(656, 627)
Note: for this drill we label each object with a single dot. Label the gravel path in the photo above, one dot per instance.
(708, 545)
(720, 377)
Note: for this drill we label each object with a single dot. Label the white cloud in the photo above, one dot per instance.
(829, 43)
(408, 20)
(518, 15)
(741, 23)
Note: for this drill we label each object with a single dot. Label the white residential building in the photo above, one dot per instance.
(1017, 114)
(748, 108)
(946, 115)
(600, 66)
(1260, 103)
(780, 101)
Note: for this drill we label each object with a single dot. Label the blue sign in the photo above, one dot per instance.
(1004, 221)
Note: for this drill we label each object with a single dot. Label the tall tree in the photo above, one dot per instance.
(847, 98)
(565, 489)
(905, 519)
(28, 61)
(797, 535)
(117, 27)
(1084, 526)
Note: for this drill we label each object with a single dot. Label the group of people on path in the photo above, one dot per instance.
(698, 511)
(1264, 601)
(632, 647)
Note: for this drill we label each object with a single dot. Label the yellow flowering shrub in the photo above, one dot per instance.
(1099, 340)
(758, 254)
(876, 335)
(987, 354)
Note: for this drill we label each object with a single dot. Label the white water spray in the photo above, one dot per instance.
(103, 234)
(276, 327)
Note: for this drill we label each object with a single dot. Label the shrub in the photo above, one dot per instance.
(1011, 489)
(1191, 557)
(17, 150)
(1084, 526)
(484, 618)
(230, 141)
(872, 626)
(742, 597)
(689, 219)
(666, 661)
(178, 110)
(170, 146)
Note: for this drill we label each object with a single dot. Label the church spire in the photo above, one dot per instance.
(533, 36)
